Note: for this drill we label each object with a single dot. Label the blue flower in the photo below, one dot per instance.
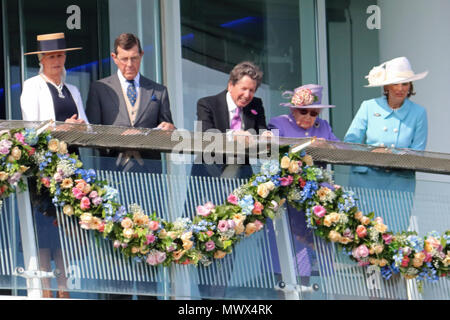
(31, 137)
(415, 242)
(247, 204)
(270, 168)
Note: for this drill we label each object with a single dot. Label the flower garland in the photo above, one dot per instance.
(212, 233)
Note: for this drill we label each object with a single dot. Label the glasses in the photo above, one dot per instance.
(312, 113)
(132, 59)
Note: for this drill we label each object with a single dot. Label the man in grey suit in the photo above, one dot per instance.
(129, 99)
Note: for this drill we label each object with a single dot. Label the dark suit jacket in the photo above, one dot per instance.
(213, 113)
(106, 104)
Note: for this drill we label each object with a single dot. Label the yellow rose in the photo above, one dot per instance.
(140, 219)
(383, 262)
(16, 153)
(282, 201)
(239, 218)
(409, 277)
(380, 227)
(285, 162)
(262, 190)
(128, 233)
(178, 254)
(187, 244)
(371, 251)
(428, 247)
(144, 249)
(53, 145)
(67, 183)
(3, 176)
(239, 228)
(186, 236)
(62, 147)
(270, 185)
(420, 255)
(334, 216)
(293, 167)
(334, 236)
(95, 223)
(250, 228)
(417, 263)
(308, 160)
(134, 250)
(127, 223)
(378, 248)
(163, 234)
(358, 215)
(23, 169)
(345, 240)
(327, 221)
(374, 261)
(68, 210)
(219, 254)
(172, 234)
(365, 221)
(446, 261)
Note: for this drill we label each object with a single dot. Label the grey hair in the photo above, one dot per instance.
(243, 69)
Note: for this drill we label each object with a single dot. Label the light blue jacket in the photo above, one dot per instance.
(377, 124)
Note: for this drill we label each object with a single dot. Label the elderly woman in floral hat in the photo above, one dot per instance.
(302, 122)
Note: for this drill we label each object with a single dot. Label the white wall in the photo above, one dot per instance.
(419, 30)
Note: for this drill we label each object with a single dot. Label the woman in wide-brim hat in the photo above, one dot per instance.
(305, 105)
(388, 122)
(47, 95)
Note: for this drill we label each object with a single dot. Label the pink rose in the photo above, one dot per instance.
(96, 201)
(85, 203)
(387, 238)
(259, 225)
(223, 225)
(210, 245)
(150, 239)
(231, 224)
(203, 211)
(360, 252)
(46, 182)
(361, 231)
(319, 211)
(209, 205)
(151, 260)
(20, 137)
(160, 256)
(78, 194)
(153, 225)
(378, 220)
(209, 233)
(93, 194)
(257, 208)
(232, 199)
(286, 181)
(117, 244)
(363, 263)
(405, 262)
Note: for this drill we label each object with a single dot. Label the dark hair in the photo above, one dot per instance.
(127, 41)
(243, 69)
(411, 91)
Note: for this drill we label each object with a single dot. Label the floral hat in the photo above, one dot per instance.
(394, 71)
(305, 97)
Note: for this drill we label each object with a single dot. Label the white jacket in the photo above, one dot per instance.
(37, 104)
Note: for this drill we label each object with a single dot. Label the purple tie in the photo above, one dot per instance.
(236, 121)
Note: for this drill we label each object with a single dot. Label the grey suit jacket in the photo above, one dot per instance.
(106, 104)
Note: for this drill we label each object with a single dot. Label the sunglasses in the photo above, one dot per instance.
(312, 113)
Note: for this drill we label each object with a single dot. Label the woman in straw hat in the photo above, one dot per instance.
(302, 122)
(47, 96)
(390, 121)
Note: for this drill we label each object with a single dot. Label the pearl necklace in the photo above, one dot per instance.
(58, 87)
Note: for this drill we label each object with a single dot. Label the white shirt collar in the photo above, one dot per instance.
(231, 105)
(124, 83)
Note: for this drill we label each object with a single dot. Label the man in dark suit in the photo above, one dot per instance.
(235, 111)
(129, 99)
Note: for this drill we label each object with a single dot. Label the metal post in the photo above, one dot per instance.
(286, 255)
(30, 251)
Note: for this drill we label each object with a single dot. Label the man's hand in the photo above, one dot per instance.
(166, 126)
(73, 119)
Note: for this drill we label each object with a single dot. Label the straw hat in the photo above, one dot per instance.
(394, 71)
(308, 96)
(51, 42)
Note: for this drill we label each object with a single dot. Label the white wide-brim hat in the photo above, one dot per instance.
(394, 71)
